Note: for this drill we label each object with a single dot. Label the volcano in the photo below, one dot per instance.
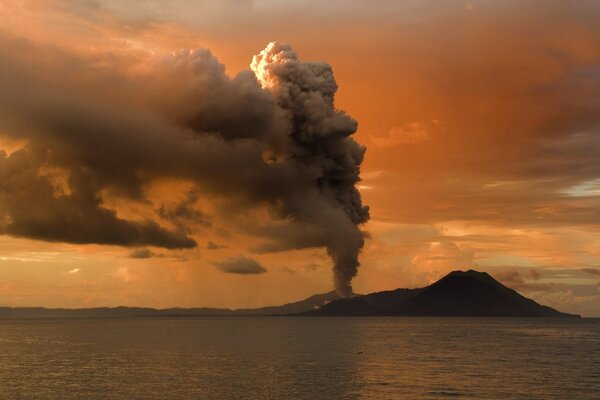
(458, 294)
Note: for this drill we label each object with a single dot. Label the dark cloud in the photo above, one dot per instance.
(185, 214)
(240, 265)
(321, 142)
(31, 207)
(141, 253)
(271, 138)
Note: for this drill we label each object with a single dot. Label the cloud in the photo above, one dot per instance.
(141, 253)
(240, 265)
(30, 207)
(115, 134)
(567, 299)
(520, 280)
(307, 268)
(332, 210)
(311, 266)
(215, 246)
(185, 215)
(438, 258)
(410, 133)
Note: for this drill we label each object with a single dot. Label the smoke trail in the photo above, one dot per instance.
(321, 139)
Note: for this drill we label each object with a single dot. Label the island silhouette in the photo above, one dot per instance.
(458, 294)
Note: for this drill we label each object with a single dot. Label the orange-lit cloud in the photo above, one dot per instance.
(481, 121)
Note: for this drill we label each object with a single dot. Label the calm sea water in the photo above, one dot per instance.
(300, 358)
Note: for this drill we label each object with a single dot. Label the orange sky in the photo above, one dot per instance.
(480, 120)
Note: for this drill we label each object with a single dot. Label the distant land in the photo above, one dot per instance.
(458, 294)
(309, 303)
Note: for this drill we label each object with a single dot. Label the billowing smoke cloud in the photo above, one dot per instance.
(32, 205)
(320, 137)
(270, 137)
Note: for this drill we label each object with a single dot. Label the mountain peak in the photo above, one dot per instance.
(460, 293)
(470, 273)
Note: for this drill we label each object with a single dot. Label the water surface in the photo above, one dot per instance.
(300, 358)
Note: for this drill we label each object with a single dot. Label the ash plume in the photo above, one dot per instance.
(320, 140)
(270, 137)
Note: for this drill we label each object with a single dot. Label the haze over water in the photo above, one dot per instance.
(300, 358)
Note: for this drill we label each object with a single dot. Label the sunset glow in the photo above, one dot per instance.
(142, 164)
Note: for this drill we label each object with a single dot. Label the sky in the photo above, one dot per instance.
(145, 162)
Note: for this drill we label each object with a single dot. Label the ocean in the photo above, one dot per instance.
(300, 358)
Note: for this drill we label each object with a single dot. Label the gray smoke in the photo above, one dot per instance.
(270, 137)
(320, 140)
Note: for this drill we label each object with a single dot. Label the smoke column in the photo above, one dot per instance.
(321, 139)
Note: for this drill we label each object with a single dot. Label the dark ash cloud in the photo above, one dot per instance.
(267, 138)
(240, 265)
(331, 206)
(32, 207)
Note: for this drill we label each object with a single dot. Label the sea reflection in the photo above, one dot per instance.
(300, 358)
